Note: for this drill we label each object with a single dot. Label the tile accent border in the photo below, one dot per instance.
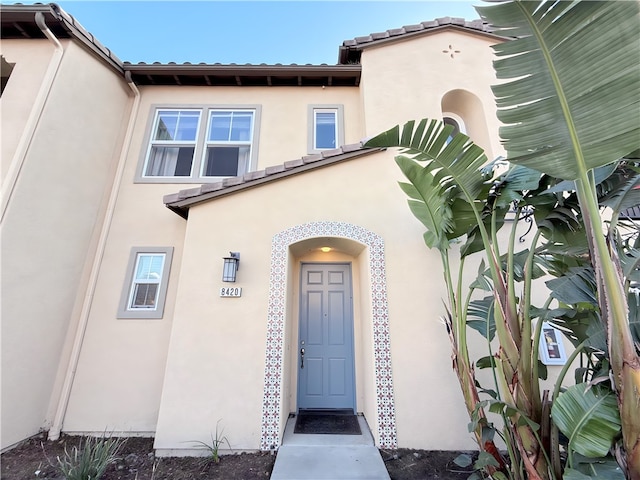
(274, 357)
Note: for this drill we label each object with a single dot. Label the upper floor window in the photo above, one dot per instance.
(193, 144)
(228, 144)
(326, 130)
(173, 143)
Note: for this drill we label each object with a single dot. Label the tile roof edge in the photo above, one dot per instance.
(74, 28)
(181, 201)
(477, 26)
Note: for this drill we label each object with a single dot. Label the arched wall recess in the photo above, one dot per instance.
(466, 109)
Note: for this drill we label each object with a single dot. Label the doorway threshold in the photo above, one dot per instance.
(309, 440)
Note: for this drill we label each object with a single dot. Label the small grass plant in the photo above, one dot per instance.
(213, 448)
(90, 460)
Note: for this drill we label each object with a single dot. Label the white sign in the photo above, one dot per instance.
(230, 291)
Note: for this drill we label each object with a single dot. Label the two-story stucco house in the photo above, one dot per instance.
(125, 186)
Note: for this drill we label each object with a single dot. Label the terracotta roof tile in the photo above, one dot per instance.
(293, 164)
(247, 177)
(189, 192)
(312, 158)
(274, 169)
(211, 187)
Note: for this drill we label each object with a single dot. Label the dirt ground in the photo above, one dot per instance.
(36, 459)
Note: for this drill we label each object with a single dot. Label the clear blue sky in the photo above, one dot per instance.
(247, 31)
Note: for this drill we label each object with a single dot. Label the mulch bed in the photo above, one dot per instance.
(36, 459)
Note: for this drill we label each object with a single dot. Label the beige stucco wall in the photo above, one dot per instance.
(126, 355)
(31, 60)
(408, 79)
(49, 230)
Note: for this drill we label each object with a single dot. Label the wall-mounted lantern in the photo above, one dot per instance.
(231, 266)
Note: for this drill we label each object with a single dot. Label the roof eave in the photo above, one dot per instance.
(62, 25)
(245, 75)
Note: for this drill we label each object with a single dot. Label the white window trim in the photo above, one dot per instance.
(228, 143)
(561, 356)
(124, 310)
(311, 125)
(171, 143)
(199, 155)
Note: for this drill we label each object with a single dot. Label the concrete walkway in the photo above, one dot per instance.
(328, 457)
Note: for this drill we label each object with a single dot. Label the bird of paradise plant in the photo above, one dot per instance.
(570, 103)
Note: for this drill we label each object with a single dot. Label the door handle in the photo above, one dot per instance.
(302, 358)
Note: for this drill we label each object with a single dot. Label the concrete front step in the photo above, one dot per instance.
(296, 462)
(328, 457)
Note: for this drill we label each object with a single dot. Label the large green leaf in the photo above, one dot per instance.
(569, 96)
(453, 162)
(589, 418)
(480, 317)
(428, 202)
(625, 195)
(578, 285)
(517, 179)
(599, 468)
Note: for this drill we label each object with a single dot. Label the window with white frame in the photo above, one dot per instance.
(173, 143)
(326, 127)
(228, 143)
(145, 288)
(194, 144)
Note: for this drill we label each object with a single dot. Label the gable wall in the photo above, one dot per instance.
(217, 350)
(408, 79)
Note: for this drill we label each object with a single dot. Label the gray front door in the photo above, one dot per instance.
(325, 344)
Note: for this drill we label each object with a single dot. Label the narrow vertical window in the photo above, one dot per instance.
(144, 288)
(144, 291)
(325, 129)
(172, 143)
(228, 143)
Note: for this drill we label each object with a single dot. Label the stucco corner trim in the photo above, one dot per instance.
(274, 356)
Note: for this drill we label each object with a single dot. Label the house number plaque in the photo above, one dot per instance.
(230, 291)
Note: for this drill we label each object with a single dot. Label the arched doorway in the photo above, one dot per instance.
(373, 292)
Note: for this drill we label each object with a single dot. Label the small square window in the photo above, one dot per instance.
(326, 129)
(144, 292)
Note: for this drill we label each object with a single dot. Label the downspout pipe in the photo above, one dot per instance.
(65, 394)
(13, 173)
